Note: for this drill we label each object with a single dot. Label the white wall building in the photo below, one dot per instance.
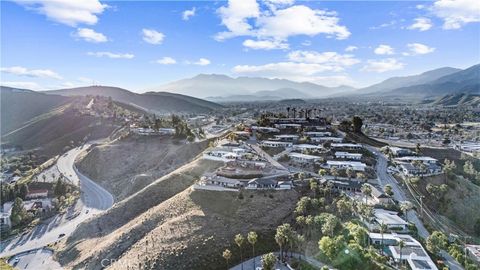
(302, 158)
(355, 165)
(347, 155)
(276, 144)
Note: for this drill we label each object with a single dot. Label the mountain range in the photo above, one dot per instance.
(224, 88)
(153, 102)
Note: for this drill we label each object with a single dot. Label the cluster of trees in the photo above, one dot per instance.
(239, 240)
(438, 241)
(11, 191)
(471, 172)
(19, 215)
(65, 194)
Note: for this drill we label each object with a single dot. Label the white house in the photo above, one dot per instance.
(317, 134)
(347, 155)
(326, 139)
(265, 129)
(410, 159)
(412, 253)
(302, 158)
(355, 165)
(221, 181)
(302, 147)
(287, 125)
(352, 146)
(276, 144)
(287, 137)
(390, 219)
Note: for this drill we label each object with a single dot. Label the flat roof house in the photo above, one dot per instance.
(410, 159)
(326, 139)
(37, 193)
(302, 158)
(276, 144)
(347, 145)
(390, 219)
(379, 196)
(317, 134)
(355, 165)
(306, 147)
(346, 155)
(287, 137)
(262, 183)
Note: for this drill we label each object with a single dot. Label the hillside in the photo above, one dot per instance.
(218, 87)
(461, 99)
(125, 166)
(18, 106)
(464, 81)
(397, 82)
(182, 228)
(153, 102)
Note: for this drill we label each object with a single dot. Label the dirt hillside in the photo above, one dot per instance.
(163, 227)
(126, 166)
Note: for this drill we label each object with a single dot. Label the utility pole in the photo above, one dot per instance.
(421, 205)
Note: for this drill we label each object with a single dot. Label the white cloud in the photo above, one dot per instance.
(383, 65)
(244, 18)
(265, 44)
(351, 48)
(330, 60)
(384, 25)
(421, 24)
(36, 73)
(90, 35)
(383, 49)
(67, 12)
(457, 13)
(166, 61)
(23, 85)
(202, 62)
(188, 13)
(418, 48)
(112, 55)
(152, 36)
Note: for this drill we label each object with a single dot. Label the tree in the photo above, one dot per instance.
(322, 172)
(417, 149)
(252, 238)
(343, 206)
(357, 123)
(476, 227)
(314, 187)
(405, 207)
(388, 189)
(350, 173)
(239, 239)
(436, 241)
(334, 172)
(330, 224)
(18, 212)
(401, 245)
(331, 246)
(300, 242)
(227, 255)
(366, 190)
(282, 236)
(383, 229)
(268, 261)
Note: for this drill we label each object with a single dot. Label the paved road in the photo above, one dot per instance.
(265, 155)
(94, 199)
(385, 178)
(40, 259)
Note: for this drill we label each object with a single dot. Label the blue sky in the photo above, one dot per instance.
(140, 45)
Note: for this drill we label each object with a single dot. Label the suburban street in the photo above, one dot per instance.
(248, 264)
(93, 200)
(385, 178)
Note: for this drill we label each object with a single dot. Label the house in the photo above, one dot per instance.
(317, 134)
(166, 131)
(345, 185)
(220, 155)
(221, 181)
(355, 165)
(262, 183)
(37, 193)
(265, 129)
(390, 219)
(399, 152)
(302, 147)
(276, 144)
(326, 139)
(380, 197)
(302, 158)
(288, 126)
(410, 159)
(410, 169)
(287, 137)
(284, 185)
(412, 253)
(347, 155)
(350, 146)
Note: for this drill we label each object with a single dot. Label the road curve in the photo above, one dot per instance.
(94, 199)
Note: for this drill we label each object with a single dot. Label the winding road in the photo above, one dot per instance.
(385, 178)
(93, 200)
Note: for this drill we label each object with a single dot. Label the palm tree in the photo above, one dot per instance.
(294, 112)
(227, 255)
(288, 112)
(300, 241)
(334, 172)
(383, 229)
(405, 207)
(366, 190)
(268, 261)
(239, 239)
(252, 239)
(401, 245)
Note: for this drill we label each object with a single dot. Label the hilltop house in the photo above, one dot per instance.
(355, 165)
(350, 146)
(390, 219)
(303, 158)
(287, 137)
(276, 144)
(346, 155)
